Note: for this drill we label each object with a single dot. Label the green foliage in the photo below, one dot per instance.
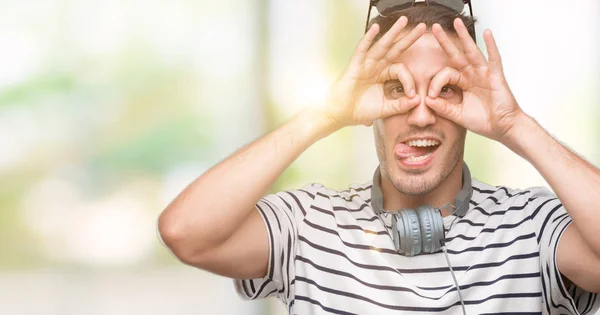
(157, 149)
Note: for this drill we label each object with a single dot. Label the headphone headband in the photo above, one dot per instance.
(461, 200)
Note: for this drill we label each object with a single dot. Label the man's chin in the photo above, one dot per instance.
(413, 182)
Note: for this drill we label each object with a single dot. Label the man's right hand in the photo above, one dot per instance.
(358, 97)
(213, 224)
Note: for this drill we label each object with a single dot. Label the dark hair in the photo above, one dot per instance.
(429, 15)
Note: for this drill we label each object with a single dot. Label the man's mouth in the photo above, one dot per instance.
(416, 152)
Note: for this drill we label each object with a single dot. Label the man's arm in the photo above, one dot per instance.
(212, 225)
(577, 185)
(211, 222)
(490, 109)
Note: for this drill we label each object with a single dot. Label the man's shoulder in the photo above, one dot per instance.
(500, 194)
(352, 191)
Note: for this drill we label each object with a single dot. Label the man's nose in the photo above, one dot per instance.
(421, 115)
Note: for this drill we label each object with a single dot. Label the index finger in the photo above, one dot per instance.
(382, 46)
(365, 43)
(405, 42)
(471, 50)
(456, 56)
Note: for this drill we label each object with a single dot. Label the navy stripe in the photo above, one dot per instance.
(404, 289)
(489, 230)
(491, 192)
(359, 189)
(414, 308)
(287, 266)
(546, 221)
(262, 287)
(248, 294)
(414, 270)
(306, 192)
(273, 291)
(493, 245)
(252, 286)
(560, 216)
(371, 219)
(345, 198)
(285, 202)
(394, 252)
(275, 215)
(513, 208)
(556, 272)
(545, 292)
(513, 313)
(325, 211)
(469, 222)
(272, 253)
(554, 305)
(480, 209)
(361, 208)
(348, 226)
(297, 202)
(534, 214)
(591, 302)
(487, 283)
(556, 225)
(341, 254)
(325, 308)
(500, 263)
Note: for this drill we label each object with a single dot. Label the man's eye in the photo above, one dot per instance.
(447, 90)
(398, 90)
(394, 90)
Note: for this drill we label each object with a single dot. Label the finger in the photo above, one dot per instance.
(494, 59)
(383, 45)
(400, 72)
(365, 43)
(445, 109)
(400, 106)
(446, 76)
(472, 52)
(456, 56)
(405, 42)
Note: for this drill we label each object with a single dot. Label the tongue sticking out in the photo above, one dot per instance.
(403, 151)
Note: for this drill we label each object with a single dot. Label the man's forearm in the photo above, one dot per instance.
(575, 181)
(209, 210)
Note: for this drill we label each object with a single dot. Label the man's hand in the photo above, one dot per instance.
(488, 107)
(358, 98)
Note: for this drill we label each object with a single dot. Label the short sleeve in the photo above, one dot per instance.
(550, 221)
(281, 214)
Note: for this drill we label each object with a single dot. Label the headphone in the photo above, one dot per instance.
(421, 230)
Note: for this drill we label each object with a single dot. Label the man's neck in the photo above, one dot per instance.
(442, 195)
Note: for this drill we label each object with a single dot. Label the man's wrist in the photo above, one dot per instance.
(524, 136)
(316, 121)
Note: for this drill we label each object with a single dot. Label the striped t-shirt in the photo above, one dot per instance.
(330, 254)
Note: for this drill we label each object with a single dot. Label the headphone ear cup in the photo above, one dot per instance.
(409, 232)
(432, 228)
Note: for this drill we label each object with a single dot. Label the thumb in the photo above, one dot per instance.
(400, 106)
(442, 107)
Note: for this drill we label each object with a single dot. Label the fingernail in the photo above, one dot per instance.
(413, 93)
(430, 93)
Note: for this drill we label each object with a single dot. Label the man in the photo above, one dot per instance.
(418, 77)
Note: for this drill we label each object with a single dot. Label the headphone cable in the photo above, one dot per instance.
(462, 302)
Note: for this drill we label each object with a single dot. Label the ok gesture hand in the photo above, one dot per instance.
(488, 107)
(358, 96)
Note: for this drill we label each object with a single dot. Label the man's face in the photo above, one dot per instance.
(418, 150)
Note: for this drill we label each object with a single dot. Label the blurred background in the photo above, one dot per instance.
(109, 108)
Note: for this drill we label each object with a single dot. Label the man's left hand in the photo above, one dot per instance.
(488, 106)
